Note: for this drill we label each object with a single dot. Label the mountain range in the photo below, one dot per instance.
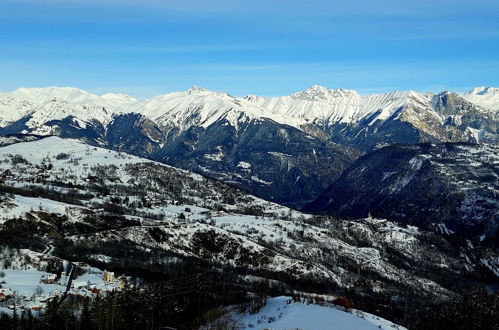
(285, 149)
(389, 200)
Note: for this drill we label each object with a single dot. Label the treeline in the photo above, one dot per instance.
(194, 300)
(70, 197)
(478, 310)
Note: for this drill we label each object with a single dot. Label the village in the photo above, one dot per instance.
(25, 287)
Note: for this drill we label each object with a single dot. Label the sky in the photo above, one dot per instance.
(264, 47)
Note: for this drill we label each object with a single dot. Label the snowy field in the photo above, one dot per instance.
(25, 281)
(282, 313)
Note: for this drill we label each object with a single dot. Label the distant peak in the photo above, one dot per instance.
(52, 92)
(318, 92)
(49, 89)
(119, 97)
(252, 97)
(317, 87)
(196, 89)
(483, 90)
(444, 93)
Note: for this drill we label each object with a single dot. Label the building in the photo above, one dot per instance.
(5, 294)
(108, 276)
(79, 284)
(49, 279)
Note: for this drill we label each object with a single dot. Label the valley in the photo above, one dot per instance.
(323, 192)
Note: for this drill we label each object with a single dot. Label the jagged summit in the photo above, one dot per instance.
(196, 89)
(317, 105)
(321, 93)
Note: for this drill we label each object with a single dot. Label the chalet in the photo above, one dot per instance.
(49, 279)
(108, 276)
(95, 290)
(5, 294)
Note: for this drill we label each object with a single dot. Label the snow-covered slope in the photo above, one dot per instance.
(158, 207)
(42, 105)
(112, 209)
(486, 97)
(302, 140)
(40, 150)
(329, 106)
(424, 185)
(284, 313)
(317, 104)
(200, 107)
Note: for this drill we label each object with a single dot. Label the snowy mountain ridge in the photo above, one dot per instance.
(486, 97)
(303, 139)
(332, 106)
(57, 103)
(202, 107)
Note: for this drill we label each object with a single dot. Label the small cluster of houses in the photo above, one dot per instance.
(110, 278)
(32, 288)
(85, 288)
(78, 289)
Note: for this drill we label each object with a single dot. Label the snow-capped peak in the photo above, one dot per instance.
(202, 107)
(43, 94)
(253, 97)
(56, 103)
(320, 93)
(119, 98)
(196, 89)
(486, 97)
(329, 106)
(483, 90)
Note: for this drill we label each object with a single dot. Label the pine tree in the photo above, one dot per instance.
(15, 319)
(85, 319)
(28, 321)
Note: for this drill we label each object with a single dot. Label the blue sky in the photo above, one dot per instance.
(265, 47)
